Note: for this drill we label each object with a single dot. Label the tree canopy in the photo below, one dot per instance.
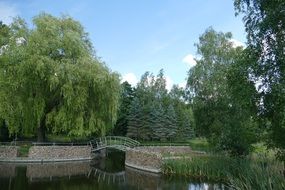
(218, 114)
(51, 79)
(157, 114)
(265, 27)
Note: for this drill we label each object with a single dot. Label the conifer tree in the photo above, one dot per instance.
(170, 122)
(135, 120)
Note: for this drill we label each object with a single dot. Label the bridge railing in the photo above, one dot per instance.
(115, 141)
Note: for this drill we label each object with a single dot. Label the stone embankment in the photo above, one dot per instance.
(51, 153)
(8, 152)
(60, 152)
(150, 158)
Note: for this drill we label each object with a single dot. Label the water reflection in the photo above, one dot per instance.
(106, 174)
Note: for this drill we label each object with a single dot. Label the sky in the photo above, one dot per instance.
(135, 36)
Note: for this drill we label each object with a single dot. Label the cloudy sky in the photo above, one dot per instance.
(134, 36)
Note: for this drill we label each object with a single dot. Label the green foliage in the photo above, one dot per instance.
(53, 80)
(200, 144)
(159, 128)
(184, 114)
(23, 150)
(212, 168)
(4, 35)
(134, 120)
(156, 114)
(170, 122)
(127, 96)
(186, 126)
(218, 115)
(261, 174)
(265, 27)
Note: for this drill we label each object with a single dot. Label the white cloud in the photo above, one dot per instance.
(7, 12)
(169, 83)
(189, 60)
(237, 43)
(131, 78)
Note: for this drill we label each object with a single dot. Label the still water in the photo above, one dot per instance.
(107, 173)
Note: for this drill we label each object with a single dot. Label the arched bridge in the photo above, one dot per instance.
(117, 142)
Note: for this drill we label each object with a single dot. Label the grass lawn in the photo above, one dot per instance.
(199, 144)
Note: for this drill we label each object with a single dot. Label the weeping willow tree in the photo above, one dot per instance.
(51, 79)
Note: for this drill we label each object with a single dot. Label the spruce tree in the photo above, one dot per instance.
(170, 123)
(127, 97)
(158, 118)
(187, 130)
(134, 120)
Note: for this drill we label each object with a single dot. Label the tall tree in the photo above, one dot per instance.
(184, 113)
(127, 96)
(265, 27)
(159, 128)
(186, 130)
(135, 120)
(170, 123)
(217, 115)
(52, 79)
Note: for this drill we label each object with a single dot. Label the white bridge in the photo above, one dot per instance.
(117, 142)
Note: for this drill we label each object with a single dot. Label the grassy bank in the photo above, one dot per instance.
(237, 173)
(199, 144)
(23, 150)
(167, 143)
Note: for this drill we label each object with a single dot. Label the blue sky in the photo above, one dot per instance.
(134, 36)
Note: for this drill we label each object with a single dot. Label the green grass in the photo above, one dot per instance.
(167, 143)
(200, 144)
(261, 149)
(213, 168)
(23, 150)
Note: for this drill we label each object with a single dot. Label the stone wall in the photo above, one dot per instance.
(60, 152)
(140, 159)
(7, 152)
(150, 158)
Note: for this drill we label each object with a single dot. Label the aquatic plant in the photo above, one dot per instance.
(236, 173)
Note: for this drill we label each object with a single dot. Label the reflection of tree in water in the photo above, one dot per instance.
(143, 180)
(114, 161)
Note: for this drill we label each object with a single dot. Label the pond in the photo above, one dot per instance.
(107, 173)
